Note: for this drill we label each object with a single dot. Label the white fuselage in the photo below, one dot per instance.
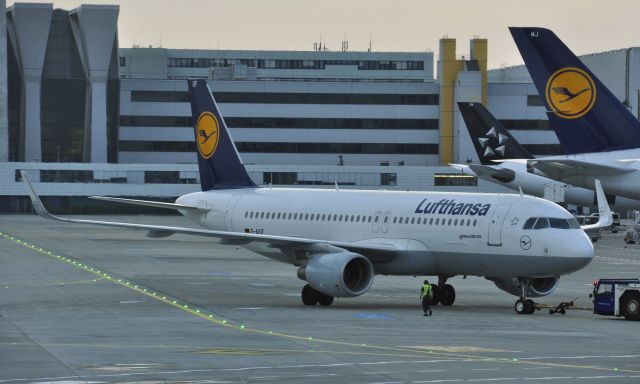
(624, 185)
(534, 184)
(438, 233)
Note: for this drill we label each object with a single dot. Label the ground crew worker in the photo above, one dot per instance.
(426, 295)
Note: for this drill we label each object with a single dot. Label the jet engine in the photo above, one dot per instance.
(342, 274)
(534, 287)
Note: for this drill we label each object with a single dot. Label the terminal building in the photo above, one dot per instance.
(85, 117)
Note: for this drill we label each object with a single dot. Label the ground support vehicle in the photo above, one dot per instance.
(617, 297)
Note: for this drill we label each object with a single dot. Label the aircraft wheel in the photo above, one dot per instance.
(437, 294)
(324, 300)
(309, 295)
(630, 306)
(531, 306)
(520, 307)
(562, 311)
(447, 295)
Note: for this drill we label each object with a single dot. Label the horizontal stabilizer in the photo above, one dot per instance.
(560, 169)
(156, 204)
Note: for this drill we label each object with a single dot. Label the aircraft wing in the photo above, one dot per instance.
(375, 252)
(560, 169)
(606, 216)
(156, 204)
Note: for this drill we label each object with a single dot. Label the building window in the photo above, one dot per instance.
(534, 101)
(388, 179)
(454, 180)
(123, 61)
(280, 178)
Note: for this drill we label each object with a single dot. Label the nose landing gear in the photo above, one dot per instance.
(525, 306)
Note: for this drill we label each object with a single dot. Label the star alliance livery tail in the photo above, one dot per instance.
(490, 138)
(218, 160)
(585, 115)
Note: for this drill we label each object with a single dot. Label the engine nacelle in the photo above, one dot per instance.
(537, 287)
(343, 274)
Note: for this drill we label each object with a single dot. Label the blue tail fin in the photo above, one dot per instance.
(490, 138)
(585, 115)
(218, 160)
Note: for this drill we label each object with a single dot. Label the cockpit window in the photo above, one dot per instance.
(541, 223)
(559, 223)
(529, 223)
(573, 223)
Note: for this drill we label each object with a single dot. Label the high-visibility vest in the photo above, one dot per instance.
(426, 291)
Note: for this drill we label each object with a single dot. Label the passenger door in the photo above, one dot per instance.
(385, 222)
(375, 224)
(495, 225)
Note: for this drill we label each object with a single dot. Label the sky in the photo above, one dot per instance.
(586, 26)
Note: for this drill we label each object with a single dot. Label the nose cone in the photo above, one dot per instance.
(579, 252)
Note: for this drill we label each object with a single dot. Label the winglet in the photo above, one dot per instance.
(35, 199)
(606, 216)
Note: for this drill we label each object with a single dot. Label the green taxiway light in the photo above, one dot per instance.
(164, 297)
(197, 311)
(270, 332)
(186, 306)
(174, 302)
(515, 359)
(224, 321)
(242, 327)
(309, 338)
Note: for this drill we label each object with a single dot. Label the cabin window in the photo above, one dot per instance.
(386, 219)
(323, 216)
(431, 221)
(306, 216)
(278, 216)
(449, 222)
(395, 219)
(352, 217)
(358, 218)
(295, 216)
(444, 221)
(311, 217)
(475, 222)
(246, 214)
(262, 215)
(413, 219)
(376, 219)
(251, 215)
(468, 222)
(369, 219)
(455, 222)
(437, 221)
(289, 216)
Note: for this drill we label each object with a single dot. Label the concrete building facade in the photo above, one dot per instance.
(62, 83)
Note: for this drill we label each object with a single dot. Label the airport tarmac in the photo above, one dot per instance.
(93, 304)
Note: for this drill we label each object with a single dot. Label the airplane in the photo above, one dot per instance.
(340, 239)
(493, 143)
(599, 135)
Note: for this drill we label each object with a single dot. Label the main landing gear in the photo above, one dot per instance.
(312, 297)
(524, 306)
(443, 293)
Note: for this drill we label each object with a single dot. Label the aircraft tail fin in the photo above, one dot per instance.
(218, 159)
(585, 115)
(490, 138)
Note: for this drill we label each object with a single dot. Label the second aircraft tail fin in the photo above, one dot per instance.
(490, 138)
